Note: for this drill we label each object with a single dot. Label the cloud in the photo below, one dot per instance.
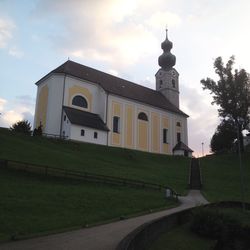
(162, 19)
(117, 32)
(2, 103)
(22, 108)
(203, 118)
(14, 51)
(25, 100)
(6, 28)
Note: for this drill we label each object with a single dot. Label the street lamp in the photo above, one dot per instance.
(202, 148)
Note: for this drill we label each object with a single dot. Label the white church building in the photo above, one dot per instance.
(84, 104)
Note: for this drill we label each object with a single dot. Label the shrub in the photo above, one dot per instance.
(213, 224)
(21, 127)
(38, 131)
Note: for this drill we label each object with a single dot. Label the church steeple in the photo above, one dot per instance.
(167, 59)
(167, 77)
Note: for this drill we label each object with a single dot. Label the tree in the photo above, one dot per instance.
(231, 93)
(223, 138)
(21, 127)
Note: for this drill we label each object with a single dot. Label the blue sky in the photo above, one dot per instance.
(121, 37)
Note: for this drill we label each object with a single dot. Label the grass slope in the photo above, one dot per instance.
(221, 177)
(166, 170)
(33, 204)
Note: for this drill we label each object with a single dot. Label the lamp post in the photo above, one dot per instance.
(202, 148)
(241, 168)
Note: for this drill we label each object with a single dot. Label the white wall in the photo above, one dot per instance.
(178, 152)
(98, 95)
(54, 107)
(75, 134)
(54, 114)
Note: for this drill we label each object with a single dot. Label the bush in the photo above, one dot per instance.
(38, 131)
(21, 127)
(213, 224)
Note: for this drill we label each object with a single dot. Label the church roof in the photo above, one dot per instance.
(182, 146)
(83, 118)
(117, 86)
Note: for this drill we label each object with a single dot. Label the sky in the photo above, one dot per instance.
(121, 37)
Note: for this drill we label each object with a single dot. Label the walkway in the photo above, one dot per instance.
(105, 237)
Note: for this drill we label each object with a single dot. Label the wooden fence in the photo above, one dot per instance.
(85, 176)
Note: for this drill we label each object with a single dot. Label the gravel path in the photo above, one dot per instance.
(104, 237)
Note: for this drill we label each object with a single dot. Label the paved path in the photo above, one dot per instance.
(105, 237)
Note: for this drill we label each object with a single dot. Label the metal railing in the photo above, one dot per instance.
(86, 176)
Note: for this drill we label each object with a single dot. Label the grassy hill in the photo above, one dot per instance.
(37, 204)
(221, 177)
(33, 204)
(160, 169)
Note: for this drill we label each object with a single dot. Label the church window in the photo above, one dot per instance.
(142, 116)
(165, 135)
(80, 101)
(178, 137)
(178, 124)
(82, 132)
(173, 83)
(116, 124)
(95, 135)
(64, 118)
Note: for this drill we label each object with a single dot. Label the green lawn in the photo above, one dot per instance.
(160, 169)
(34, 204)
(221, 177)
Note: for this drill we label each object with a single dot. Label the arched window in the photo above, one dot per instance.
(116, 124)
(142, 116)
(80, 101)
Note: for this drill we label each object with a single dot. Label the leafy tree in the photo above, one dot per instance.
(223, 138)
(21, 127)
(231, 93)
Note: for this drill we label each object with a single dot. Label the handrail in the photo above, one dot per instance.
(55, 171)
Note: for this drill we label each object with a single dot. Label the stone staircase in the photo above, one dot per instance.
(195, 175)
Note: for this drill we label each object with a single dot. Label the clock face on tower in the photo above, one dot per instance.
(173, 73)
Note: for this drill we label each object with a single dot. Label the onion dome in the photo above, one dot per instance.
(167, 59)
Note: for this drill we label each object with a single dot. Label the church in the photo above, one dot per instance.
(83, 104)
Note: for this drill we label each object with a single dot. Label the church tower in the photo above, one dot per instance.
(167, 77)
